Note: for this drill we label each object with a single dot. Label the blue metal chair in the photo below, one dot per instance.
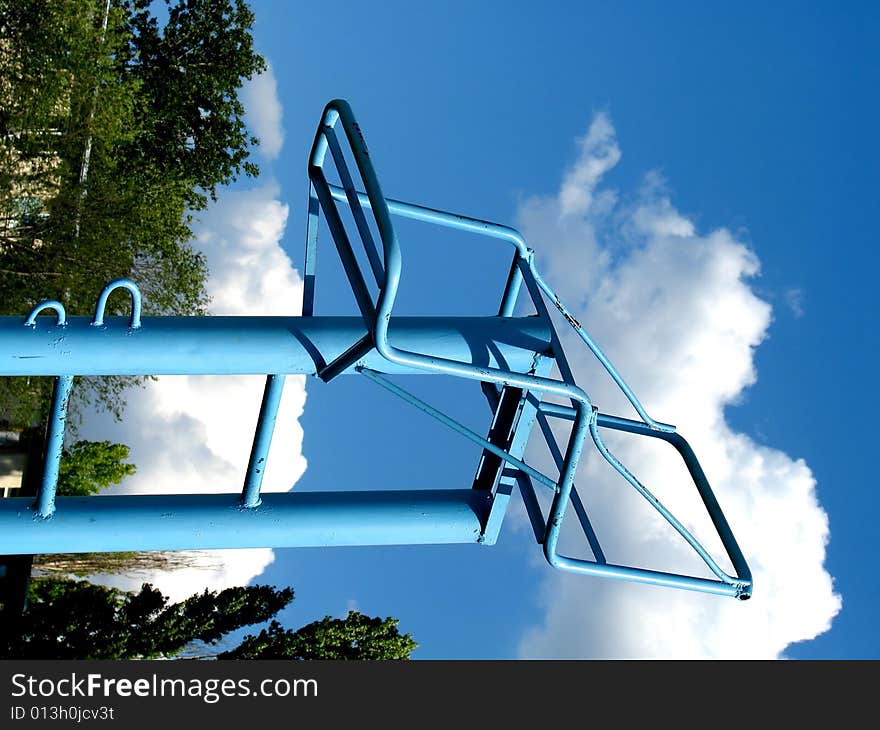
(513, 369)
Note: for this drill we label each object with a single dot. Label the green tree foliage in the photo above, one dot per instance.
(69, 619)
(87, 467)
(113, 130)
(355, 637)
(189, 73)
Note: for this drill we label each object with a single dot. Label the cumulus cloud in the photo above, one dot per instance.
(674, 309)
(194, 571)
(194, 433)
(263, 108)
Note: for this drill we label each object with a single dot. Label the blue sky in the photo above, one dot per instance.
(743, 192)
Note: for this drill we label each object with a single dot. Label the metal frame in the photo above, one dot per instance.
(513, 369)
(585, 416)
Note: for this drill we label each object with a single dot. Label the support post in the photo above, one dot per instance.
(250, 496)
(45, 505)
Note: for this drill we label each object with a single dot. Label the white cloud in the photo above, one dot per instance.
(599, 153)
(573, 236)
(200, 569)
(259, 96)
(674, 310)
(194, 433)
(794, 298)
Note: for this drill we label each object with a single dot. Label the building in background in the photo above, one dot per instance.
(20, 457)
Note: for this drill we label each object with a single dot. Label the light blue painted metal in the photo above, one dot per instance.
(207, 521)
(580, 510)
(357, 211)
(526, 256)
(310, 265)
(742, 582)
(511, 290)
(251, 345)
(662, 509)
(132, 288)
(716, 514)
(528, 410)
(458, 427)
(45, 506)
(272, 392)
(506, 354)
(377, 321)
(57, 307)
(354, 354)
(507, 478)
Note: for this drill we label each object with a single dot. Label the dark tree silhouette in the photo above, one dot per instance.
(355, 637)
(69, 619)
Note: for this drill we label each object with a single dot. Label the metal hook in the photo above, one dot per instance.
(56, 306)
(128, 284)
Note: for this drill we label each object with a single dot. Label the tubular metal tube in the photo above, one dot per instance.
(254, 345)
(207, 521)
(250, 496)
(653, 577)
(45, 505)
(460, 428)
